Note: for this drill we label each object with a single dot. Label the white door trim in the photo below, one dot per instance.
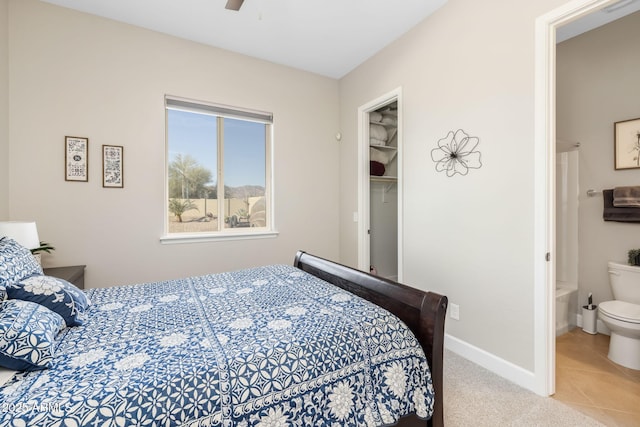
(544, 183)
(363, 178)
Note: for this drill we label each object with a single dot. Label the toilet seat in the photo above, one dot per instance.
(621, 310)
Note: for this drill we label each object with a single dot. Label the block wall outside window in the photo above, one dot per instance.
(218, 170)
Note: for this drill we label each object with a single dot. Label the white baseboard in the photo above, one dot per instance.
(491, 362)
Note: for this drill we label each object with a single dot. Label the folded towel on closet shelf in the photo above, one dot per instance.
(376, 168)
(626, 197)
(381, 156)
(612, 213)
(377, 132)
(374, 141)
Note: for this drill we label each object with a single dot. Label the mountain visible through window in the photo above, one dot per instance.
(217, 170)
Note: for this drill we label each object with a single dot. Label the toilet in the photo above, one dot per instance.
(622, 315)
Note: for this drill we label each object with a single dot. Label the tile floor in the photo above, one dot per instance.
(589, 382)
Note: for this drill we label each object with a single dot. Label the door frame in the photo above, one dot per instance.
(544, 186)
(364, 223)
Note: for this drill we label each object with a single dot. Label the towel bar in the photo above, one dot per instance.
(593, 193)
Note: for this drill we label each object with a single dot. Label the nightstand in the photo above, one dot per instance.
(73, 274)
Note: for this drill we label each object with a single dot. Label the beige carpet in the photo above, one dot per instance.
(477, 397)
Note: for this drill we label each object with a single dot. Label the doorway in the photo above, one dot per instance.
(545, 186)
(380, 186)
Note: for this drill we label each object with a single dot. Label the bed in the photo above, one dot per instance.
(266, 346)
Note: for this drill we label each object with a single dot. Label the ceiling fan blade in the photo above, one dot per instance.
(234, 4)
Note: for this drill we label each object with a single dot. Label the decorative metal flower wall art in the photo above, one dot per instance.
(455, 153)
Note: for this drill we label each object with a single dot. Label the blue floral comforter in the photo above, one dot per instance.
(270, 346)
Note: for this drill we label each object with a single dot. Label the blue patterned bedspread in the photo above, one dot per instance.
(269, 346)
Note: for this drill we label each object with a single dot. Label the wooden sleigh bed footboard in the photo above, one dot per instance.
(422, 311)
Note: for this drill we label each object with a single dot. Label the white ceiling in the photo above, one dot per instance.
(327, 37)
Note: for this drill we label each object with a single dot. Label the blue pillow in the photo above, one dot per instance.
(57, 295)
(16, 262)
(27, 335)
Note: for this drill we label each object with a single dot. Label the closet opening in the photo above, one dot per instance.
(380, 248)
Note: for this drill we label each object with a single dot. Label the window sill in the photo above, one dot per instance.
(169, 239)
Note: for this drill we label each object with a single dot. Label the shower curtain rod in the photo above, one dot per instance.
(564, 145)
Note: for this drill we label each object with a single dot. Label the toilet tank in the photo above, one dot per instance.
(625, 282)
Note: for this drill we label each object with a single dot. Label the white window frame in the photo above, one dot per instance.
(221, 111)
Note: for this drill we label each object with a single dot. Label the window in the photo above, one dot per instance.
(218, 170)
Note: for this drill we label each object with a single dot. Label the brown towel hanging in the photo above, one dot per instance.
(612, 213)
(626, 197)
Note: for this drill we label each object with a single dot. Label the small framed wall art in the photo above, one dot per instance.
(76, 159)
(626, 144)
(112, 166)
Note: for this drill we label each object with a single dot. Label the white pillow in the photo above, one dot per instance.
(375, 117)
(378, 132)
(389, 120)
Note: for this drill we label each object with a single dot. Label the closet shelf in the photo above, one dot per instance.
(387, 125)
(374, 178)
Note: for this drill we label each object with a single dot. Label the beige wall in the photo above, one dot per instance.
(4, 110)
(469, 66)
(597, 85)
(80, 75)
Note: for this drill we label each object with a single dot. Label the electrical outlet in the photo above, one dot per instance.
(454, 311)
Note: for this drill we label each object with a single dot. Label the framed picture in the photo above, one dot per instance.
(626, 148)
(76, 159)
(112, 158)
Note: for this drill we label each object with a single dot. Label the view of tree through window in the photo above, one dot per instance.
(217, 170)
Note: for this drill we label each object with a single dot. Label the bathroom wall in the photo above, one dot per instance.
(597, 85)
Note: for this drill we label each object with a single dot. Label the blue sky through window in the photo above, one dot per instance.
(244, 151)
